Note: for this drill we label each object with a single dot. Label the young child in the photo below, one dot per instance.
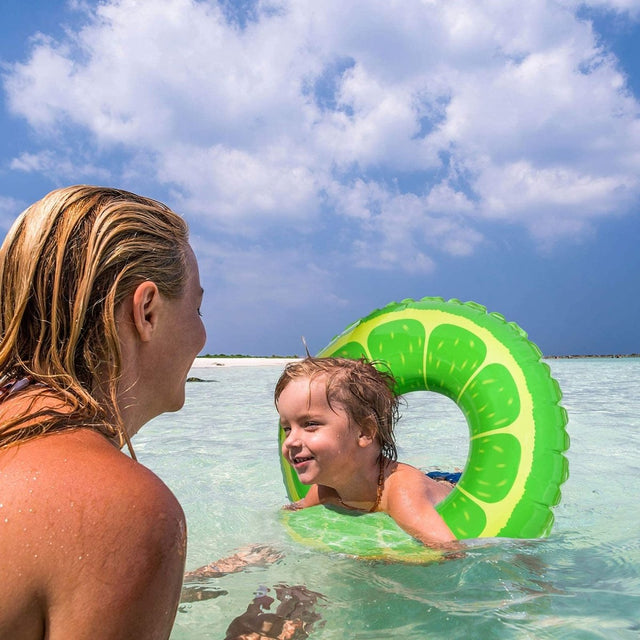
(338, 416)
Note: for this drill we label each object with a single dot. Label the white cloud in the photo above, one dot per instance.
(230, 186)
(396, 229)
(62, 167)
(552, 202)
(410, 123)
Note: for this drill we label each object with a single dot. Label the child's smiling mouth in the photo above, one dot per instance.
(299, 460)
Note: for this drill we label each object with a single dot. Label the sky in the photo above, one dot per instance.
(332, 157)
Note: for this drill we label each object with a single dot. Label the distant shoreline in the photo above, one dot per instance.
(575, 357)
(204, 362)
(241, 361)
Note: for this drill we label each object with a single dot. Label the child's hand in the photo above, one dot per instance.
(257, 555)
(252, 556)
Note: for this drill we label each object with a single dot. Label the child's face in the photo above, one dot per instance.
(320, 443)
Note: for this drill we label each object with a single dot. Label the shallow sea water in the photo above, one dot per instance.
(219, 455)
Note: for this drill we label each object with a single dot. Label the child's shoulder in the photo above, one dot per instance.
(403, 469)
(400, 475)
(407, 477)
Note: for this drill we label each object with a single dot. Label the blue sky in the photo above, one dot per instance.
(333, 156)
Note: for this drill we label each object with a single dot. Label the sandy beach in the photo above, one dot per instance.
(241, 362)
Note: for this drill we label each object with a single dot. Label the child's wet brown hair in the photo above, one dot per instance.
(365, 392)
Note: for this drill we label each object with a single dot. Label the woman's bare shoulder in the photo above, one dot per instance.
(80, 462)
(84, 484)
(81, 516)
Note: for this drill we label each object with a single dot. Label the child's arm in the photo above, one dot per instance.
(409, 501)
(256, 555)
(310, 500)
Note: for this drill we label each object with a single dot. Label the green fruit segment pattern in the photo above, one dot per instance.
(453, 356)
(490, 369)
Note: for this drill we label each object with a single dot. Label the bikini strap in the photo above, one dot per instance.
(13, 385)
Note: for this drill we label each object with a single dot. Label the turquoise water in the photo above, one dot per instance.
(219, 456)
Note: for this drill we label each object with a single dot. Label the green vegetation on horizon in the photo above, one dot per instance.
(551, 357)
(241, 355)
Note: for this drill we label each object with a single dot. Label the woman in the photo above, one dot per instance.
(99, 325)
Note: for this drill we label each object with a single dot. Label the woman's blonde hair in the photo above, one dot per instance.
(65, 266)
(365, 393)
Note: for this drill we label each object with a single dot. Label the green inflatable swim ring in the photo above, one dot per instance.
(517, 427)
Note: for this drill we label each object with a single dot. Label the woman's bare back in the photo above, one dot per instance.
(86, 531)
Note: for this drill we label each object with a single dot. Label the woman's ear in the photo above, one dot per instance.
(145, 304)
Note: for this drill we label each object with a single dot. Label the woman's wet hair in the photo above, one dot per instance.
(363, 388)
(67, 263)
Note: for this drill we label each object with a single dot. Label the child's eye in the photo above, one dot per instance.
(285, 429)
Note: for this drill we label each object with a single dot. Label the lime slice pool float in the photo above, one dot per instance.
(517, 428)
